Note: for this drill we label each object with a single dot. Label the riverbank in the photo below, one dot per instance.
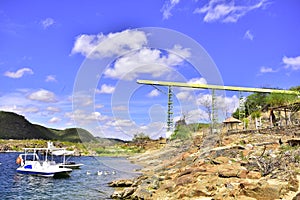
(99, 148)
(238, 166)
(19, 145)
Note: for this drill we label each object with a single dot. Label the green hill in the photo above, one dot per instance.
(14, 126)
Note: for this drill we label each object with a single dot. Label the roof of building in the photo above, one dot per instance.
(232, 120)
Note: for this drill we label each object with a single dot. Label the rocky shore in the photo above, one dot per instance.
(260, 165)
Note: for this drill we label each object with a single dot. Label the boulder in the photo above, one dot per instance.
(121, 183)
(227, 171)
(168, 185)
(185, 179)
(254, 175)
(127, 192)
(221, 160)
(141, 193)
(263, 190)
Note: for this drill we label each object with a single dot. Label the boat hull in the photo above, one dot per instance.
(62, 172)
(71, 166)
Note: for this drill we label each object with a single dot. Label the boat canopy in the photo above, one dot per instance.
(62, 152)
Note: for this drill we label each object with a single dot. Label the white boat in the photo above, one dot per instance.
(65, 162)
(35, 161)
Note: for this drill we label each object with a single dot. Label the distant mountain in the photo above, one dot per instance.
(109, 141)
(14, 126)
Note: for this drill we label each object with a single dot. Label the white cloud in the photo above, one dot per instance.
(120, 108)
(224, 105)
(83, 117)
(17, 103)
(20, 109)
(125, 129)
(248, 35)
(54, 120)
(144, 61)
(47, 22)
(53, 109)
(154, 130)
(113, 44)
(267, 70)
(43, 96)
(154, 93)
(121, 123)
(188, 93)
(184, 95)
(37, 109)
(224, 11)
(97, 106)
(50, 78)
(106, 89)
(180, 51)
(120, 128)
(293, 63)
(195, 81)
(82, 99)
(167, 7)
(195, 116)
(19, 73)
(228, 104)
(204, 99)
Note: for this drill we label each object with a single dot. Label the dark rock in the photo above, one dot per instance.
(185, 179)
(127, 192)
(297, 197)
(293, 184)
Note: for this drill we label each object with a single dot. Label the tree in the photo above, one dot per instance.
(180, 122)
(235, 114)
(255, 102)
(205, 101)
(182, 130)
(255, 116)
(140, 137)
(296, 88)
(275, 99)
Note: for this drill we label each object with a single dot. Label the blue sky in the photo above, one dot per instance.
(74, 63)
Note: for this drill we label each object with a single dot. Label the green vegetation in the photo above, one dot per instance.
(285, 148)
(280, 99)
(118, 150)
(257, 102)
(18, 145)
(140, 137)
(90, 148)
(184, 131)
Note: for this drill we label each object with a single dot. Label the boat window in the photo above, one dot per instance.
(31, 157)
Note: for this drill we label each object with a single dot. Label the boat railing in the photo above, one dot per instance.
(45, 156)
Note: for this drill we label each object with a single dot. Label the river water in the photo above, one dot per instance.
(84, 183)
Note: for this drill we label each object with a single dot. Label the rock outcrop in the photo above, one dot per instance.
(240, 166)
